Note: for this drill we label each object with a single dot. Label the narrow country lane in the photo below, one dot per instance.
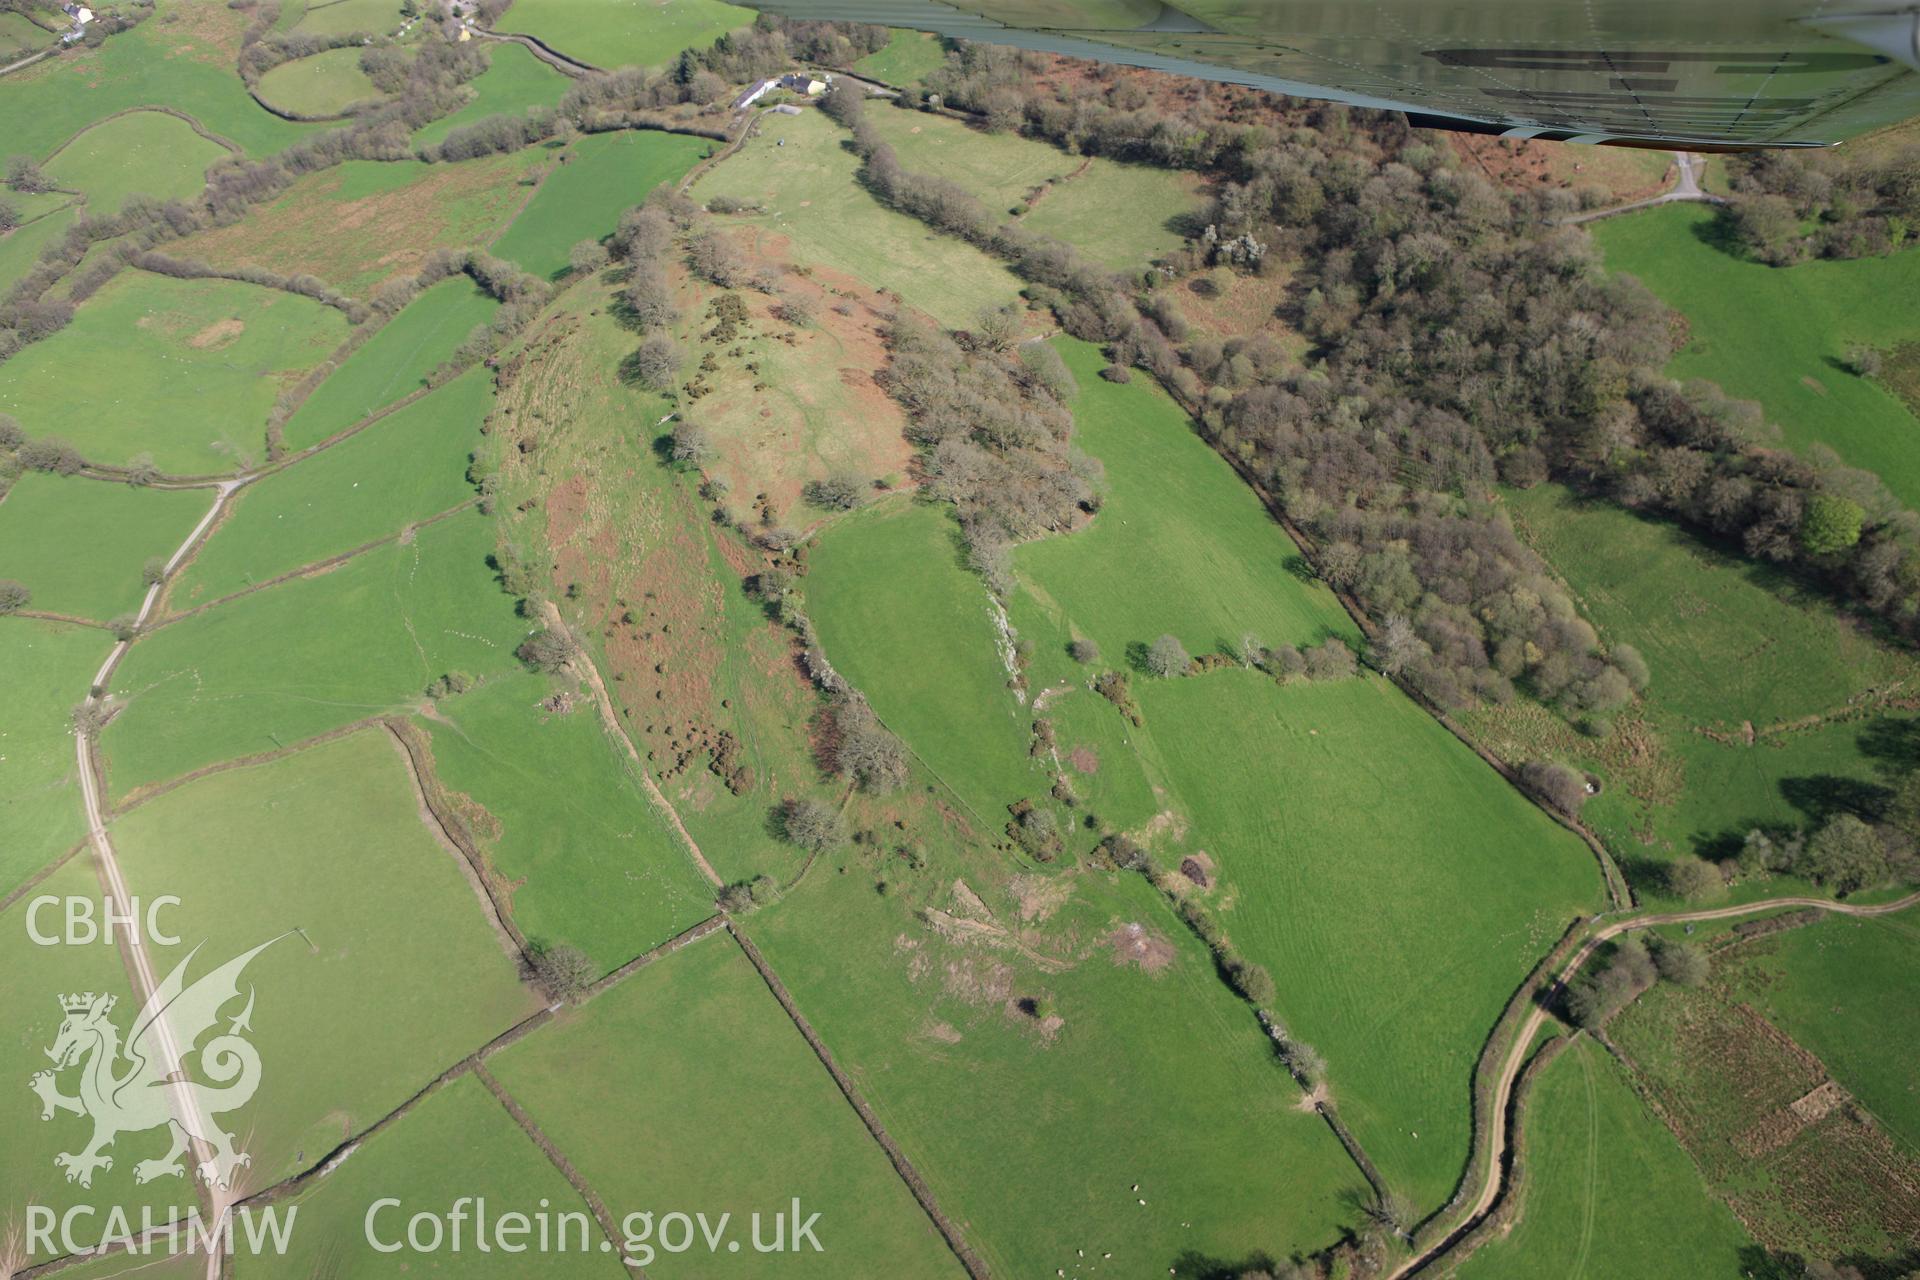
(139, 964)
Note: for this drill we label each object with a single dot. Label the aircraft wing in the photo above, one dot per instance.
(1700, 75)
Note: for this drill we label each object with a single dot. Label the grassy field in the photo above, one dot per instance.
(196, 366)
(336, 17)
(1396, 887)
(1035, 1138)
(1843, 988)
(321, 86)
(1181, 546)
(912, 629)
(1081, 211)
(394, 950)
(591, 862)
(122, 1266)
(514, 81)
(21, 247)
(1727, 641)
(1608, 1191)
(817, 213)
(408, 466)
(146, 153)
(1119, 215)
(1729, 645)
(999, 169)
(309, 655)
(36, 979)
(626, 33)
(19, 35)
(458, 1142)
(908, 57)
(393, 362)
(81, 545)
(364, 222)
(672, 1061)
(1778, 335)
(49, 665)
(182, 56)
(602, 176)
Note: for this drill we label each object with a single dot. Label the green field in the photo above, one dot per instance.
(1608, 1191)
(671, 1062)
(913, 630)
(602, 176)
(81, 545)
(147, 153)
(393, 952)
(21, 247)
(1843, 988)
(1115, 214)
(592, 864)
(458, 1142)
(1036, 1142)
(406, 467)
(320, 86)
(19, 35)
(908, 57)
(49, 666)
(393, 362)
(625, 33)
(797, 169)
(182, 56)
(337, 17)
(123, 1266)
(196, 366)
(514, 81)
(1778, 335)
(998, 169)
(1181, 545)
(1726, 641)
(1729, 644)
(1397, 888)
(37, 978)
(1121, 215)
(309, 655)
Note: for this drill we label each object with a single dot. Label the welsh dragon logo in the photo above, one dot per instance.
(126, 1088)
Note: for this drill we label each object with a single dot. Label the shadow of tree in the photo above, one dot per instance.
(1823, 796)
(1893, 744)
(1720, 234)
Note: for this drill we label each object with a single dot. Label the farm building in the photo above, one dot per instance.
(753, 94)
(800, 82)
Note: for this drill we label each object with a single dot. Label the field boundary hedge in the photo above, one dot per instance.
(418, 750)
(712, 924)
